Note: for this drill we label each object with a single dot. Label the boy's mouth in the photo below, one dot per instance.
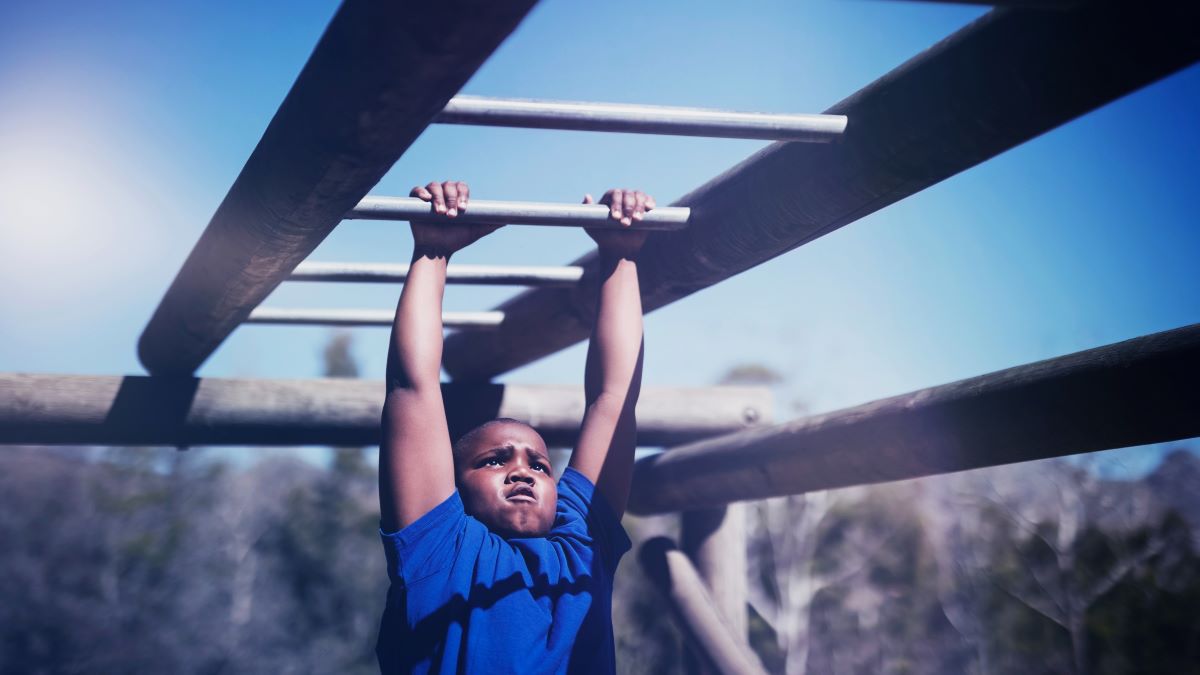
(521, 493)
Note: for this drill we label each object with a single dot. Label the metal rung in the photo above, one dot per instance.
(365, 317)
(478, 275)
(641, 119)
(482, 212)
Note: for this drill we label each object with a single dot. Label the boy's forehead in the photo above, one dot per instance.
(507, 433)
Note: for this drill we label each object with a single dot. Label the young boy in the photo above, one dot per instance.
(494, 568)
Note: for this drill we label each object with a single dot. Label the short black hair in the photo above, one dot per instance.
(464, 442)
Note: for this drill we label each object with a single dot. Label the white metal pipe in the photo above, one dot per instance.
(479, 275)
(640, 119)
(365, 317)
(484, 212)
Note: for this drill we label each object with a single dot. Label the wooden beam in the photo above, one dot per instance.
(1131, 393)
(134, 410)
(379, 74)
(708, 632)
(998, 82)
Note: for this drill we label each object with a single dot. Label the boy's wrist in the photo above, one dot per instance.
(618, 253)
(431, 251)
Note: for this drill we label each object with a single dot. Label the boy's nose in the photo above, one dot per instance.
(520, 473)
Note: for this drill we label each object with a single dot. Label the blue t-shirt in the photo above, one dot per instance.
(466, 600)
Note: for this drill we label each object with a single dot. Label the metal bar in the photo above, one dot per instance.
(707, 630)
(640, 119)
(479, 275)
(364, 317)
(490, 212)
(116, 410)
(1131, 393)
(998, 82)
(376, 78)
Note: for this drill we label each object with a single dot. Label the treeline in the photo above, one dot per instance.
(1035, 568)
(158, 561)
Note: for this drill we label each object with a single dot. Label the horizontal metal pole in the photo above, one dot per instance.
(996, 83)
(485, 212)
(365, 317)
(708, 631)
(377, 77)
(129, 410)
(640, 119)
(478, 275)
(1130, 393)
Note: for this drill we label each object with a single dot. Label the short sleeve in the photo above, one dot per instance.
(580, 506)
(428, 545)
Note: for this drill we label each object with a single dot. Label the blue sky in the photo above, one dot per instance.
(122, 126)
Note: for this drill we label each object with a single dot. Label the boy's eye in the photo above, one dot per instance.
(538, 466)
(493, 461)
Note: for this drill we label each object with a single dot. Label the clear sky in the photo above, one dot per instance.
(122, 126)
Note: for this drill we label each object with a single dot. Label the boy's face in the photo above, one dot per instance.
(506, 482)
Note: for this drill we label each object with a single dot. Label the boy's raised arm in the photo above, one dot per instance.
(416, 464)
(613, 375)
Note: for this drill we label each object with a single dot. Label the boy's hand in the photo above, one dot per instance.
(448, 198)
(625, 206)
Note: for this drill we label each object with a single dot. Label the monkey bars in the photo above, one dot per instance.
(383, 71)
(480, 275)
(640, 119)
(364, 317)
(998, 82)
(492, 212)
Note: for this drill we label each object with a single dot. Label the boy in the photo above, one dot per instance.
(494, 568)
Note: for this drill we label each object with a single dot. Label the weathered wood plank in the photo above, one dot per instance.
(379, 74)
(1130, 393)
(135, 410)
(1000, 81)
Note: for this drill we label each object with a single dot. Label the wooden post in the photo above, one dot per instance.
(715, 541)
(1000, 81)
(1131, 393)
(708, 632)
(379, 74)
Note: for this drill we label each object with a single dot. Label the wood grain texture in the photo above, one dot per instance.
(379, 74)
(1135, 392)
(136, 410)
(998, 82)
